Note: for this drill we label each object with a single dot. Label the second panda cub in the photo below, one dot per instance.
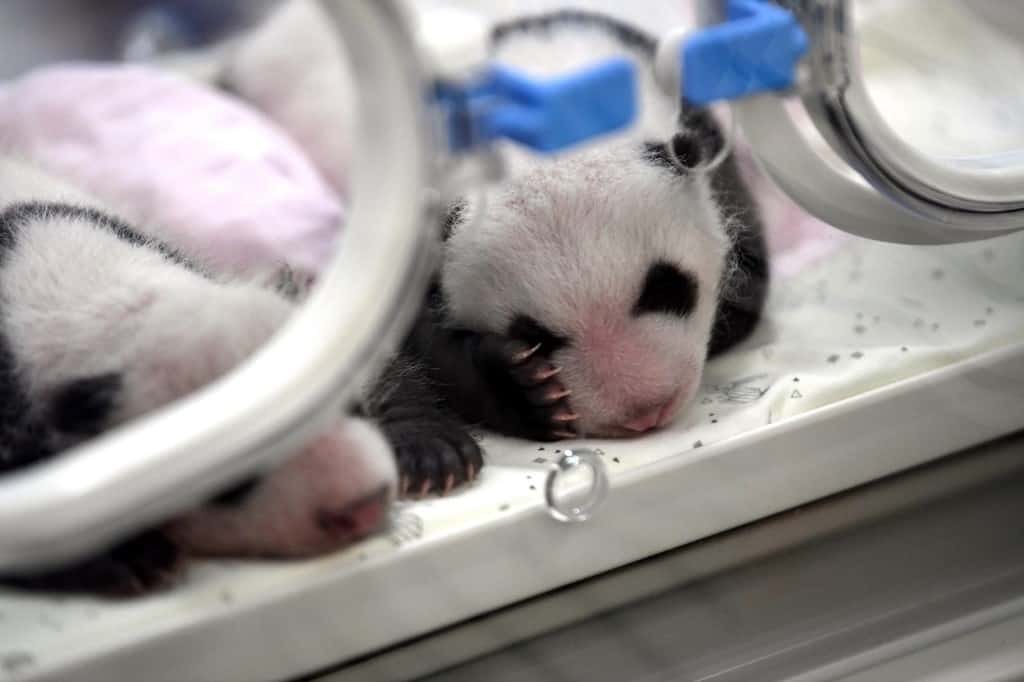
(583, 297)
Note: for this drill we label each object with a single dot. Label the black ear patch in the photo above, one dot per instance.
(686, 151)
(455, 214)
(84, 406)
(680, 155)
(525, 328)
(667, 290)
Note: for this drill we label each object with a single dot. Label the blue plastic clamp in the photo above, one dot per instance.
(755, 49)
(545, 115)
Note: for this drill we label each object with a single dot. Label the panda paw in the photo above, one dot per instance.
(535, 400)
(145, 563)
(434, 452)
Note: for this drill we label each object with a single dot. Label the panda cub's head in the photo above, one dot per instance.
(614, 254)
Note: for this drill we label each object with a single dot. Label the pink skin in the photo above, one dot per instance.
(652, 419)
(627, 376)
(329, 495)
(656, 417)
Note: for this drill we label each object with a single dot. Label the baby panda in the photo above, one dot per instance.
(583, 296)
(101, 323)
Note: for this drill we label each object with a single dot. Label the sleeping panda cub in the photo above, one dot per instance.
(100, 323)
(583, 297)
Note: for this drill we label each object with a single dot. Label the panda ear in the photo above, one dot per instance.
(455, 214)
(685, 152)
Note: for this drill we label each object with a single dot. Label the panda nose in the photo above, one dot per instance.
(643, 422)
(653, 417)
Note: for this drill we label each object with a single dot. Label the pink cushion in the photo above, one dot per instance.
(217, 177)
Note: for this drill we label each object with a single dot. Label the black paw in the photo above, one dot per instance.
(435, 453)
(534, 403)
(145, 563)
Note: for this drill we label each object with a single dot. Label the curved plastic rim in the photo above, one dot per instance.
(979, 195)
(841, 199)
(266, 408)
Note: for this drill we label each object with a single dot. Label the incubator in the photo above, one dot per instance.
(893, 338)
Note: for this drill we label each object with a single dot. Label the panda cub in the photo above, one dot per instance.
(101, 323)
(583, 297)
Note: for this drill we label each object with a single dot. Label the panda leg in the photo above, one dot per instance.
(433, 448)
(504, 382)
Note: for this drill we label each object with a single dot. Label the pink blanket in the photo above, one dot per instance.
(175, 156)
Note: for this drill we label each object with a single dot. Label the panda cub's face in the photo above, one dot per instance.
(615, 256)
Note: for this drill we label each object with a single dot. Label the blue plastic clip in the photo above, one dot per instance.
(755, 49)
(544, 115)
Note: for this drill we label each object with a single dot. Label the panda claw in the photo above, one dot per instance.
(449, 483)
(563, 435)
(565, 415)
(524, 355)
(546, 373)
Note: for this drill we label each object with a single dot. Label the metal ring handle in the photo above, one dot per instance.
(567, 502)
(139, 474)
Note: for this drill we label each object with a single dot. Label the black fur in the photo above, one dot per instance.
(627, 35)
(143, 563)
(452, 218)
(236, 494)
(743, 294)
(668, 291)
(445, 378)
(525, 328)
(24, 440)
(680, 155)
(433, 448)
(83, 407)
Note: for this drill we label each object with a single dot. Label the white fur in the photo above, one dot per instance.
(78, 301)
(568, 241)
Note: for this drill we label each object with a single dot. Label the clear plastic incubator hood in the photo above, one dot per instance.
(893, 337)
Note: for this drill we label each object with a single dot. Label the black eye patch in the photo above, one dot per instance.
(525, 328)
(667, 290)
